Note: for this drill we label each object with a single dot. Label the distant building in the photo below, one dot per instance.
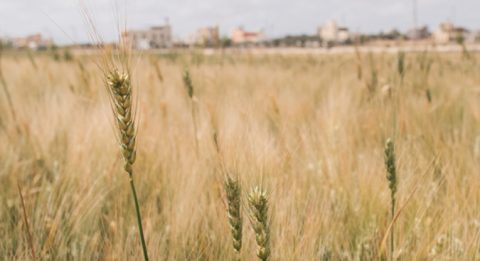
(419, 33)
(449, 33)
(473, 37)
(153, 38)
(240, 36)
(330, 32)
(207, 37)
(34, 42)
(5, 42)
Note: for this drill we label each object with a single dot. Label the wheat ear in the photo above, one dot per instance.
(258, 202)
(233, 192)
(392, 184)
(120, 90)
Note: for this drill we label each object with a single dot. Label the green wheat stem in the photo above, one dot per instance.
(194, 119)
(139, 216)
(392, 235)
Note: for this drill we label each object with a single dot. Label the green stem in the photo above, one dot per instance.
(194, 119)
(392, 232)
(139, 217)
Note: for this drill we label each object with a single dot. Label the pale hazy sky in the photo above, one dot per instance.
(62, 19)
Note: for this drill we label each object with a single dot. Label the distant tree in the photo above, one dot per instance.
(395, 34)
(460, 39)
(363, 39)
(67, 55)
(225, 42)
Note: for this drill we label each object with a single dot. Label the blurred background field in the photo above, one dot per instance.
(308, 128)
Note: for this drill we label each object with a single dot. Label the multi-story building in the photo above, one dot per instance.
(330, 32)
(207, 37)
(419, 33)
(153, 38)
(240, 36)
(448, 33)
(34, 42)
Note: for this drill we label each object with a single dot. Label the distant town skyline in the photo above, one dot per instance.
(62, 20)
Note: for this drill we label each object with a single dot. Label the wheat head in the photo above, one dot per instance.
(258, 202)
(233, 192)
(121, 95)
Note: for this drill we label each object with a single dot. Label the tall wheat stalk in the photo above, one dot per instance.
(120, 91)
(392, 184)
(119, 88)
(187, 80)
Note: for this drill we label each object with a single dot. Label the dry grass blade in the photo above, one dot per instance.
(8, 96)
(27, 225)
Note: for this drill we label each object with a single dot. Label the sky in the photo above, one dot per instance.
(63, 20)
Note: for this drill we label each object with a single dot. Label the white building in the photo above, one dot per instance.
(331, 32)
(240, 36)
(206, 36)
(34, 42)
(153, 38)
(448, 33)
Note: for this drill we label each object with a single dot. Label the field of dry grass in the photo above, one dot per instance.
(308, 129)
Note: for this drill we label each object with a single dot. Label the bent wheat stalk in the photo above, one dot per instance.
(120, 91)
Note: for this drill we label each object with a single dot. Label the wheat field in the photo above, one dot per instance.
(308, 129)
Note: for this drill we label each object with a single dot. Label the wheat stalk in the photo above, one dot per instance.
(233, 192)
(120, 91)
(401, 65)
(372, 83)
(258, 202)
(187, 80)
(392, 184)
